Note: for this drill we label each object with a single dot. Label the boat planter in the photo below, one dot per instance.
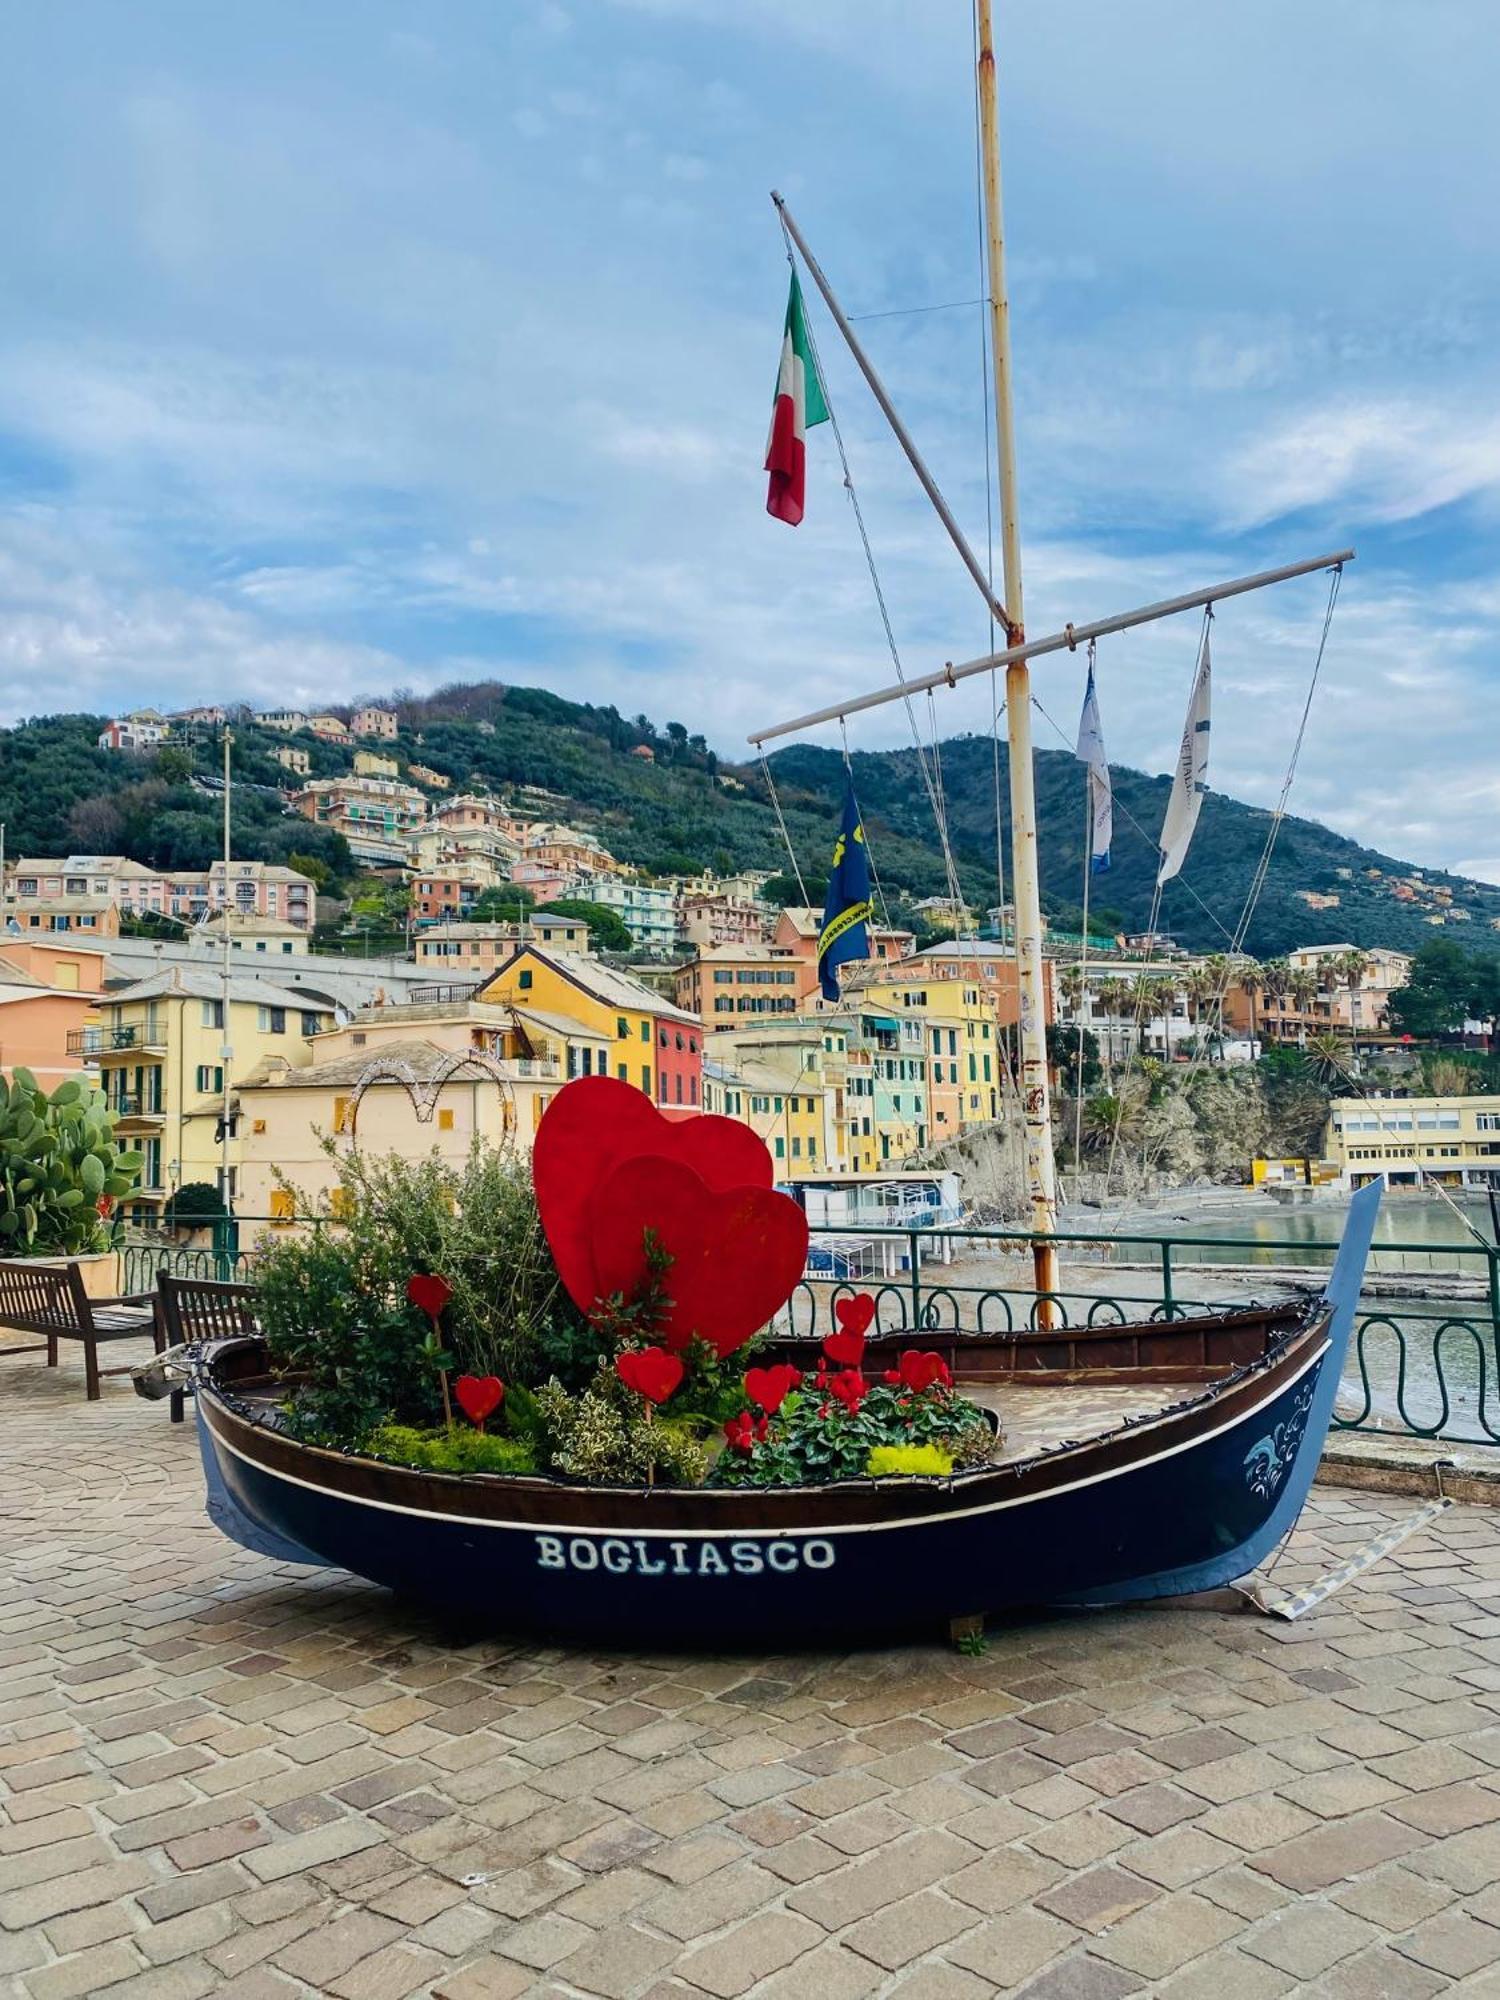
(1136, 1461)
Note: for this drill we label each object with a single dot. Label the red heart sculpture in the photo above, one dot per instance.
(595, 1123)
(650, 1371)
(850, 1387)
(429, 1293)
(737, 1253)
(854, 1315)
(769, 1388)
(918, 1371)
(479, 1396)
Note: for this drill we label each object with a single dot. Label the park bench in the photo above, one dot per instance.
(51, 1302)
(194, 1309)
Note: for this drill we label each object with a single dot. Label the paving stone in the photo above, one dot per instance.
(1006, 1950)
(1307, 1939)
(1167, 1934)
(1335, 1853)
(1097, 1899)
(910, 1929)
(1453, 1944)
(750, 1952)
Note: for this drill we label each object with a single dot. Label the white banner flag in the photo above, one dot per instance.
(1101, 797)
(1190, 780)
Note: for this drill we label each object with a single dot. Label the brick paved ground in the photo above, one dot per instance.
(217, 1776)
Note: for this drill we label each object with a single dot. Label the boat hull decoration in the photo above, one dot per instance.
(1191, 1498)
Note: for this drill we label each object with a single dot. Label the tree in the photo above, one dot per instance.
(786, 892)
(607, 928)
(1435, 999)
(509, 904)
(194, 1205)
(1063, 1056)
(312, 866)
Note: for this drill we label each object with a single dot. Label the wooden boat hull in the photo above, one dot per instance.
(1191, 1498)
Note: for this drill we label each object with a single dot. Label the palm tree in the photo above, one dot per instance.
(1251, 979)
(1351, 967)
(1275, 983)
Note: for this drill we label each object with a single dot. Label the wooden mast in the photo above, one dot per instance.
(1041, 1165)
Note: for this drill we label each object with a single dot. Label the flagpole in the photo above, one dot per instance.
(1083, 978)
(1036, 1105)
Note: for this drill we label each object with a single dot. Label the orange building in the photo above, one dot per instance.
(48, 996)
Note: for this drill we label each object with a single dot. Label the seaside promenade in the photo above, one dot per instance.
(218, 1776)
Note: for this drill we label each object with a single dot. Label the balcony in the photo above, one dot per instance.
(130, 1108)
(108, 1041)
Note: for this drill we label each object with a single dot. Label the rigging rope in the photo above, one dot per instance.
(885, 914)
(781, 822)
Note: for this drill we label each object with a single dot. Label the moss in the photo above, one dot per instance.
(451, 1451)
(908, 1461)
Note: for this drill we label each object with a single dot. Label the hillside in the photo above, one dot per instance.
(679, 810)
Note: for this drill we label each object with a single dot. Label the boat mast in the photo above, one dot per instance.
(1036, 1105)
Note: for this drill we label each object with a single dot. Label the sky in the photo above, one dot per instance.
(370, 346)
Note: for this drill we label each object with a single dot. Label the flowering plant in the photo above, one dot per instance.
(829, 1428)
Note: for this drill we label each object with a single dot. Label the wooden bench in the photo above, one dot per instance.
(50, 1301)
(194, 1309)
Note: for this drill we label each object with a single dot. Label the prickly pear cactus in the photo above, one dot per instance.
(61, 1173)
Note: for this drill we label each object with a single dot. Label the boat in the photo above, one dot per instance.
(1132, 1461)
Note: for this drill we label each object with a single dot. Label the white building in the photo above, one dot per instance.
(143, 729)
(648, 910)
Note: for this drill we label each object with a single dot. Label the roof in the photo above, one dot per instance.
(771, 954)
(422, 1058)
(606, 983)
(192, 982)
(559, 1024)
(83, 864)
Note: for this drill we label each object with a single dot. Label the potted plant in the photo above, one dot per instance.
(62, 1177)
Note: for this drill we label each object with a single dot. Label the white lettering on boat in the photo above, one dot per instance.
(637, 1557)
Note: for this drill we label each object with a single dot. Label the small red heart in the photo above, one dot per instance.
(429, 1293)
(651, 1371)
(770, 1387)
(846, 1348)
(920, 1370)
(479, 1396)
(854, 1315)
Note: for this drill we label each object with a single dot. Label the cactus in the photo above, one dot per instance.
(61, 1173)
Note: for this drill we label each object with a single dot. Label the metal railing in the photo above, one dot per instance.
(99, 1041)
(1421, 1366)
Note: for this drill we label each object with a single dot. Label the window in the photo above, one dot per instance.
(645, 1031)
(622, 1071)
(796, 1149)
(211, 1013)
(523, 979)
(341, 1204)
(445, 1121)
(622, 1027)
(646, 1078)
(693, 1090)
(283, 1204)
(310, 1023)
(271, 1020)
(342, 1120)
(211, 1077)
(780, 1147)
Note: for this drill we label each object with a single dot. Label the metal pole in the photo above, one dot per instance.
(226, 1050)
(888, 410)
(1069, 639)
(1036, 1107)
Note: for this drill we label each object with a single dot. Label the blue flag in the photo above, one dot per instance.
(846, 914)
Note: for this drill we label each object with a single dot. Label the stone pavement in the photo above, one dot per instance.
(220, 1776)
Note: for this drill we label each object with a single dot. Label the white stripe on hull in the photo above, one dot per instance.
(850, 1528)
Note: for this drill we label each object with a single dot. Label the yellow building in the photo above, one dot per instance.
(960, 1039)
(164, 1049)
(647, 1041)
(1454, 1140)
(409, 1079)
(371, 764)
(789, 1082)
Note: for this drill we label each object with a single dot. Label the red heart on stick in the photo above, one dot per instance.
(590, 1127)
(650, 1371)
(429, 1293)
(737, 1254)
(769, 1388)
(920, 1370)
(479, 1396)
(854, 1315)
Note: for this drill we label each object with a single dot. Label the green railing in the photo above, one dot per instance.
(1423, 1367)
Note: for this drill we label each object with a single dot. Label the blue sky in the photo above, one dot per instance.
(365, 345)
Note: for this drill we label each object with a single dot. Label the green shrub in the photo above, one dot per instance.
(604, 1438)
(814, 1438)
(908, 1461)
(193, 1205)
(462, 1449)
(61, 1174)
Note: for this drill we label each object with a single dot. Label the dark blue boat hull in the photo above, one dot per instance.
(1205, 1494)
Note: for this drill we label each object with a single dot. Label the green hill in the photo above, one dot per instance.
(680, 810)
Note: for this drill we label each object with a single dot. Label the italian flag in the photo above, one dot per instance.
(799, 402)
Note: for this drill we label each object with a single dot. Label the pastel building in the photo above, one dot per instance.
(644, 1039)
(49, 994)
